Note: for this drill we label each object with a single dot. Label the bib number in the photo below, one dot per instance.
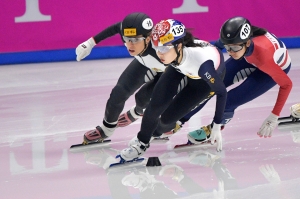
(177, 30)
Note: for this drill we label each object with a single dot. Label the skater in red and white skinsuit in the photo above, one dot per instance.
(258, 59)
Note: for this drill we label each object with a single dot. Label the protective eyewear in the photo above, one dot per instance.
(133, 39)
(234, 48)
(162, 49)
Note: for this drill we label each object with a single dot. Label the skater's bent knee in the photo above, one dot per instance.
(120, 93)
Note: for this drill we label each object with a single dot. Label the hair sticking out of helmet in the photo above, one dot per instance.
(236, 30)
(166, 32)
(136, 24)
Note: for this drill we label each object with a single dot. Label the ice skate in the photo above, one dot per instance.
(127, 118)
(94, 136)
(135, 140)
(189, 143)
(200, 135)
(132, 154)
(293, 119)
(168, 134)
(134, 151)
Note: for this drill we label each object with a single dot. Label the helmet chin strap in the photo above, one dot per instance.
(247, 48)
(175, 62)
(145, 47)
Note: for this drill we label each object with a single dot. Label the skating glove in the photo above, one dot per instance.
(85, 48)
(268, 126)
(216, 136)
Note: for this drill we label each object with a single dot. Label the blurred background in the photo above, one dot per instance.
(47, 31)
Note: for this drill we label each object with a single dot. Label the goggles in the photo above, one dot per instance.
(162, 49)
(234, 48)
(133, 39)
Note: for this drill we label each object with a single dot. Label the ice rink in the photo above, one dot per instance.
(47, 107)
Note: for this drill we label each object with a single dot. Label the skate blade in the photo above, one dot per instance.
(126, 163)
(191, 145)
(288, 126)
(289, 123)
(89, 146)
(285, 119)
(160, 140)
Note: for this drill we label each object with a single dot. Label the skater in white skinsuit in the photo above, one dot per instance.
(204, 66)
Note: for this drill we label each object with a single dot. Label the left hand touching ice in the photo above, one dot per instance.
(216, 136)
(268, 126)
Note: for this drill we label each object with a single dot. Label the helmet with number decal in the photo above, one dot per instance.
(136, 24)
(235, 30)
(167, 32)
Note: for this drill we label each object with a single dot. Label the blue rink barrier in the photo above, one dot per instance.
(107, 52)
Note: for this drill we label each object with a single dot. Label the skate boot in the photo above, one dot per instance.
(177, 128)
(200, 135)
(96, 135)
(127, 118)
(134, 151)
(135, 141)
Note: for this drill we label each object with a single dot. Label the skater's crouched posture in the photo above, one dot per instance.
(202, 63)
(143, 72)
(261, 61)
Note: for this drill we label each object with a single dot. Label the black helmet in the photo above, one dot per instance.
(136, 24)
(235, 30)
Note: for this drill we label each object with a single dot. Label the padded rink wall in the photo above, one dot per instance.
(47, 31)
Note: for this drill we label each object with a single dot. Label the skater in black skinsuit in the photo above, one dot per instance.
(146, 68)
